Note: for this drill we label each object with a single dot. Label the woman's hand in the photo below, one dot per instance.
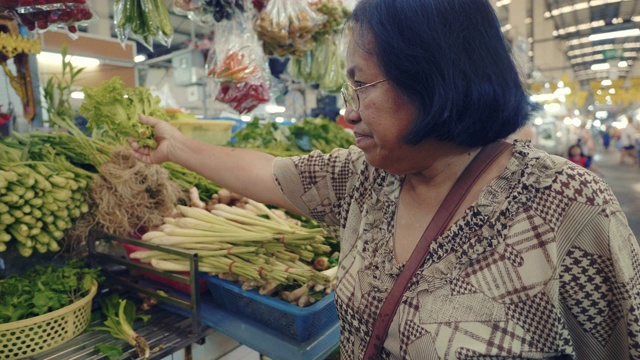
(167, 137)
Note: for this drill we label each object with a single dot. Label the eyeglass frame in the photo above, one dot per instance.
(344, 91)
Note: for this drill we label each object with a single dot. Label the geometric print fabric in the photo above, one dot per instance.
(518, 276)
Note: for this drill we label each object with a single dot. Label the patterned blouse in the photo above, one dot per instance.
(543, 265)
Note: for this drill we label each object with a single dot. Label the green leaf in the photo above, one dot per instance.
(111, 351)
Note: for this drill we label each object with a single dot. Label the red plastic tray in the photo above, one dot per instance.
(183, 288)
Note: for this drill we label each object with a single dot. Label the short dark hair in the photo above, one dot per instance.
(575, 146)
(450, 59)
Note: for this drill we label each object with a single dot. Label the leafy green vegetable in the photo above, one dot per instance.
(44, 289)
(113, 112)
(113, 352)
(302, 137)
(121, 314)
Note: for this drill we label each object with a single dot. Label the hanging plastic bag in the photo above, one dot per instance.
(53, 15)
(207, 12)
(336, 13)
(323, 65)
(144, 21)
(287, 27)
(237, 62)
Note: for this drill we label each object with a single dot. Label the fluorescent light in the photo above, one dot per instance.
(542, 97)
(79, 61)
(279, 119)
(140, 58)
(601, 66)
(606, 82)
(275, 109)
(623, 64)
(245, 118)
(77, 95)
(614, 34)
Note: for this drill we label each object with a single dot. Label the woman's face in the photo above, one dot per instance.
(384, 116)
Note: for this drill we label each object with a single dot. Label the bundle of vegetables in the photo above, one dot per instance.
(254, 245)
(113, 112)
(120, 315)
(44, 289)
(143, 20)
(302, 137)
(39, 200)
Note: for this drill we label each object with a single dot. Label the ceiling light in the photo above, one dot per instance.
(77, 95)
(245, 118)
(601, 66)
(606, 82)
(279, 119)
(140, 58)
(78, 61)
(623, 64)
(275, 109)
(614, 34)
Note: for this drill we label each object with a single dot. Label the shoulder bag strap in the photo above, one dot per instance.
(443, 216)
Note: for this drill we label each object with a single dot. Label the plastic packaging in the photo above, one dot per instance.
(323, 65)
(143, 20)
(43, 15)
(287, 27)
(208, 12)
(237, 62)
(336, 13)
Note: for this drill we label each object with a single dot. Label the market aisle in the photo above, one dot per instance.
(625, 182)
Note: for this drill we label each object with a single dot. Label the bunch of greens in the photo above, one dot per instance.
(112, 112)
(302, 137)
(44, 289)
(120, 315)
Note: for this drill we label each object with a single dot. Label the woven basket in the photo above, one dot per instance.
(20, 339)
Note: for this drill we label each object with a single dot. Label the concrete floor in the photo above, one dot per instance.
(624, 180)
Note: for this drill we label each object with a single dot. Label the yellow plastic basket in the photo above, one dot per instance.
(216, 132)
(20, 339)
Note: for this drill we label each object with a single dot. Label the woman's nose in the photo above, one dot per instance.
(352, 117)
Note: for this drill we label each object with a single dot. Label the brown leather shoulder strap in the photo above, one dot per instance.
(443, 216)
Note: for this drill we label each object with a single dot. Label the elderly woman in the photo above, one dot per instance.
(537, 261)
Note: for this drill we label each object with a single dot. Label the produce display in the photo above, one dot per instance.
(44, 289)
(143, 20)
(301, 137)
(251, 244)
(56, 187)
(38, 199)
(46, 14)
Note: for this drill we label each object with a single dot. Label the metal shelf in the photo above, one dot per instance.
(166, 332)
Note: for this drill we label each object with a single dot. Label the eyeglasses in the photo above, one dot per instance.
(350, 94)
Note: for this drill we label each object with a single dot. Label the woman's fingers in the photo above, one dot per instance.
(148, 120)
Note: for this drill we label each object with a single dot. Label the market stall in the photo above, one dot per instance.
(170, 256)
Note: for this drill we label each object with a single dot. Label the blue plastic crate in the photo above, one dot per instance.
(299, 323)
